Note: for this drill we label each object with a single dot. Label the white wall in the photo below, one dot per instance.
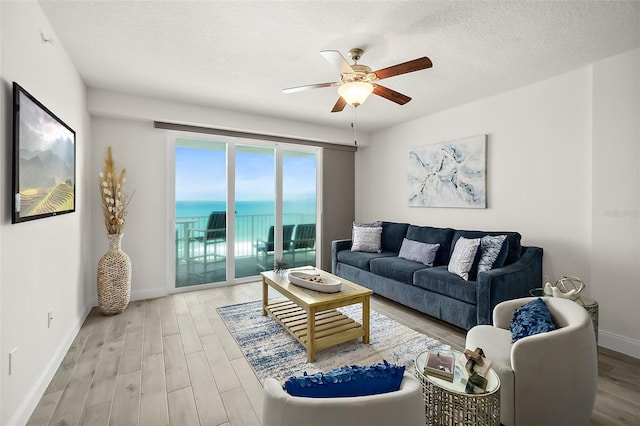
(615, 258)
(45, 264)
(141, 150)
(538, 168)
(540, 180)
(120, 105)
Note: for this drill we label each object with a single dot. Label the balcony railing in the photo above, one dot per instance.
(248, 230)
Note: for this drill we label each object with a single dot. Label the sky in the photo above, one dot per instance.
(39, 131)
(201, 174)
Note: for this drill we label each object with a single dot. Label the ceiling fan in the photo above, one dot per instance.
(357, 81)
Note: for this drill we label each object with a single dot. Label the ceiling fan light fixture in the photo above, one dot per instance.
(355, 92)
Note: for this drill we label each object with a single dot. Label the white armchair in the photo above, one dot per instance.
(546, 379)
(404, 407)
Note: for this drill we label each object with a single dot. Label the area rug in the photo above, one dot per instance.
(273, 352)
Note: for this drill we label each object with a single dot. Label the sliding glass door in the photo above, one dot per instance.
(299, 207)
(255, 199)
(240, 206)
(200, 211)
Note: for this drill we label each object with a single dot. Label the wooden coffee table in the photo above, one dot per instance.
(327, 326)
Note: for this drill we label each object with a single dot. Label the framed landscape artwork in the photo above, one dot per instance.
(449, 174)
(44, 160)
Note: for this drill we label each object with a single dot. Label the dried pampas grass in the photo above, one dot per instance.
(114, 198)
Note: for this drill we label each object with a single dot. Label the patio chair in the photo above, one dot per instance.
(303, 242)
(214, 235)
(263, 248)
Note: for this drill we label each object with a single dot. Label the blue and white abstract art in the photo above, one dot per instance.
(449, 174)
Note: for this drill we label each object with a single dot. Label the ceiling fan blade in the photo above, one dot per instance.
(405, 67)
(310, 86)
(392, 95)
(337, 60)
(339, 106)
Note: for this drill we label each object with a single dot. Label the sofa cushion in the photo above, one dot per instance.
(441, 281)
(347, 381)
(463, 256)
(428, 234)
(530, 319)
(416, 251)
(514, 247)
(366, 238)
(361, 259)
(396, 268)
(493, 252)
(392, 235)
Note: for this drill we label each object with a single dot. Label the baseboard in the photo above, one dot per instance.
(138, 295)
(619, 343)
(148, 294)
(24, 411)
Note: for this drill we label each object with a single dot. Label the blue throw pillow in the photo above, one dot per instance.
(532, 318)
(347, 381)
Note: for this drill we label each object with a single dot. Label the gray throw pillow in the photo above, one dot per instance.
(418, 252)
(463, 255)
(490, 246)
(366, 238)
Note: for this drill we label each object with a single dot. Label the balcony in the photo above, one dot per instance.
(199, 262)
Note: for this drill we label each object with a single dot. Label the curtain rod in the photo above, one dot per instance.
(248, 135)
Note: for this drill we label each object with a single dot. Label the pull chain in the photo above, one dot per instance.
(354, 126)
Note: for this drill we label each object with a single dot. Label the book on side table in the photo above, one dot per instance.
(440, 364)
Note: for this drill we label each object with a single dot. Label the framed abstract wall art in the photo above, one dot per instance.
(44, 160)
(449, 174)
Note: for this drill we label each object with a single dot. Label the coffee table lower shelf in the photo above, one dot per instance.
(330, 327)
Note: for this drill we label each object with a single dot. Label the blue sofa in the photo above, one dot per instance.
(434, 290)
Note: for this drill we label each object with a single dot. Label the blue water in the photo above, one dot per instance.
(243, 208)
(253, 218)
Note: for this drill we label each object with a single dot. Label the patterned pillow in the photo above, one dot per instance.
(532, 318)
(366, 238)
(490, 249)
(463, 256)
(347, 381)
(418, 252)
(368, 224)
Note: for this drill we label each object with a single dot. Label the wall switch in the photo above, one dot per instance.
(49, 319)
(12, 360)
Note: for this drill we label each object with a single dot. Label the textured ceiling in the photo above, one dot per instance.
(238, 55)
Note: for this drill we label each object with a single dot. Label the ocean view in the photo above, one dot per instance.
(192, 209)
(253, 218)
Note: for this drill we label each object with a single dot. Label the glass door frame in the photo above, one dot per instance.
(231, 142)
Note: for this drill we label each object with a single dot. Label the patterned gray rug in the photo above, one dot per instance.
(273, 352)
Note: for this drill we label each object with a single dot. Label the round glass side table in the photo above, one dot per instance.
(447, 403)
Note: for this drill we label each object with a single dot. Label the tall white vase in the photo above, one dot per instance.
(114, 278)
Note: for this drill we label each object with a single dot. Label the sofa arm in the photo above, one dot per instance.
(509, 282)
(336, 246)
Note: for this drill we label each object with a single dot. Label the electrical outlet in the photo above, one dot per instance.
(49, 319)
(12, 360)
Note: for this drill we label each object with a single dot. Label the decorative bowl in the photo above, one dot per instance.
(315, 281)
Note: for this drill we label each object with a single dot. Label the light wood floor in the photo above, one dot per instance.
(172, 361)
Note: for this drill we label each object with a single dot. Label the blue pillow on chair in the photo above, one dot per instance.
(530, 319)
(347, 381)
